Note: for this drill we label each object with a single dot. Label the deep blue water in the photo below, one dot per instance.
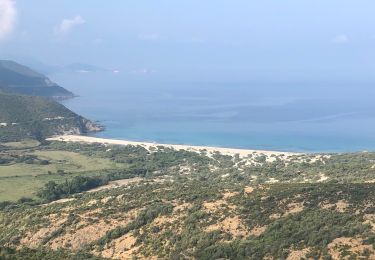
(289, 116)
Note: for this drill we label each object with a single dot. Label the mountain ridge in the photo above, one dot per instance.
(38, 117)
(29, 107)
(19, 79)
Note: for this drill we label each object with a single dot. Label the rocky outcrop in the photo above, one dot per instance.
(90, 126)
(79, 126)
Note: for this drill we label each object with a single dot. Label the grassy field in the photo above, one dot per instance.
(27, 143)
(19, 180)
(12, 189)
(68, 162)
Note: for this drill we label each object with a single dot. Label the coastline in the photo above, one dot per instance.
(193, 148)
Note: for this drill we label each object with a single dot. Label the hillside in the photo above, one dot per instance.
(18, 79)
(38, 117)
(162, 203)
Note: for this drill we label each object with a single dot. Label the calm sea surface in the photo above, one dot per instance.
(314, 116)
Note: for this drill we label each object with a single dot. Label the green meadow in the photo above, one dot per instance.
(20, 179)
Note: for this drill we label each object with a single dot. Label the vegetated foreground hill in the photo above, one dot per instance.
(38, 117)
(186, 205)
(18, 79)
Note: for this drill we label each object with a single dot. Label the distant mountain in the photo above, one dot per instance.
(35, 64)
(19, 79)
(38, 117)
(49, 69)
(27, 108)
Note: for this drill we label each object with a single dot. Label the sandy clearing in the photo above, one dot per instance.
(116, 184)
(59, 201)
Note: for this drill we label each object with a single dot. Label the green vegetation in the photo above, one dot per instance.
(24, 171)
(53, 191)
(50, 162)
(37, 118)
(23, 144)
(42, 253)
(186, 205)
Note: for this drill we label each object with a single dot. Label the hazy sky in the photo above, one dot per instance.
(195, 39)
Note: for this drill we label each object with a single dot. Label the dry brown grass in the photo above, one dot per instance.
(230, 225)
(86, 229)
(122, 248)
(294, 208)
(248, 190)
(76, 239)
(354, 245)
(339, 206)
(298, 254)
(229, 194)
(257, 231)
(211, 207)
(35, 239)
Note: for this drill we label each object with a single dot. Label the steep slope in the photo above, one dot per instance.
(38, 117)
(18, 79)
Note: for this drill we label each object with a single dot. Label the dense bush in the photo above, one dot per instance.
(173, 178)
(53, 191)
(42, 253)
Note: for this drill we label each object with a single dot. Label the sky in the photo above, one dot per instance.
(269, 40)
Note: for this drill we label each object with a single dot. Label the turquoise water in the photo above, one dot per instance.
(288, 116)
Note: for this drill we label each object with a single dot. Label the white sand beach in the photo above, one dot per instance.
(225, 151)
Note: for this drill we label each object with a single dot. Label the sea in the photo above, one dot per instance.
(313, 116)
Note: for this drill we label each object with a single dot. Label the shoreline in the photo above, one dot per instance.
(192, 148)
